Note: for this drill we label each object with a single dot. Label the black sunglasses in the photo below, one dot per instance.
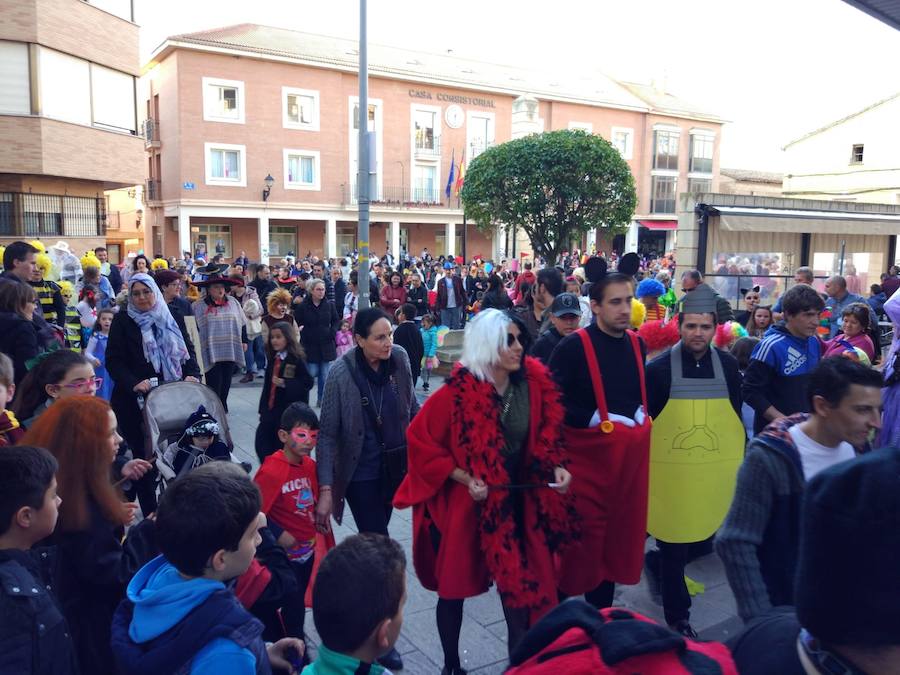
(512, 339)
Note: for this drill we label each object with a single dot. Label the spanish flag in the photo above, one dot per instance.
(460, 175)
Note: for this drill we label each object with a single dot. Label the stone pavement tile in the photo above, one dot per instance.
(723, 631)
(485, 608)
(417, 663)
(419, 598)
(404, 646)
(400, 528)
(498, 628)
(477, 647)
(493, 669)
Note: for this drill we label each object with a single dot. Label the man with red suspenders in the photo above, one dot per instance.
(600, 372)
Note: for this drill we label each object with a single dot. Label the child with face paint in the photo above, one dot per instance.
(288, 485)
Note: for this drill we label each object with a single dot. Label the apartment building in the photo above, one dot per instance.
(68, 120)
(251, 135)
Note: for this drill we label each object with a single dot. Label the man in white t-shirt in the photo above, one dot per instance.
(758, 540)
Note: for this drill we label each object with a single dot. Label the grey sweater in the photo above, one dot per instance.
(342, 429)
(758, 542)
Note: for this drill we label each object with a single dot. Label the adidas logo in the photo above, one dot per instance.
(794, 361)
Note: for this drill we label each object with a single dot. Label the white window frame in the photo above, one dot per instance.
(479, 114)
(583, 126)
(209, 103)
(242, 162)
(629, 140)
(353, 140)
(294, 91)
(317, 175)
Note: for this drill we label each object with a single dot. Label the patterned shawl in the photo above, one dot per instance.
(164, 346)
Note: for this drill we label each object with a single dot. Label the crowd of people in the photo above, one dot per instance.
(595, 404)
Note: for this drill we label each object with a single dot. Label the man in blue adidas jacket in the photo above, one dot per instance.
(775, 382)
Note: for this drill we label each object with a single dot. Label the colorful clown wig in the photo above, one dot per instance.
(659, 335)
(649, 287)
(728, 333)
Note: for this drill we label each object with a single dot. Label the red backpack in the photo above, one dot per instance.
(577, 638)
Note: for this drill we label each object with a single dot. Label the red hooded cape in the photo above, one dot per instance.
(479, 543)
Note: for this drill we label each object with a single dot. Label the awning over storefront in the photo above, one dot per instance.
(745, 219)
(659, 224)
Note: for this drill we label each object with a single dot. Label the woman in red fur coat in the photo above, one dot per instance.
(487, 483)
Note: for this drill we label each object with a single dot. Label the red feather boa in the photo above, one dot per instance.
(476, 411)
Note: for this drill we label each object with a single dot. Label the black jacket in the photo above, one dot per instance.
(545, 344)
(418, 298)
(496, 300)
(34, 635)
(407, 335)
(340, 291)
(91, 574)
(263, 288)
(320, 324)
(115, 278)
(297, 383)
(127, 366)
(46, 335)
(19, 341)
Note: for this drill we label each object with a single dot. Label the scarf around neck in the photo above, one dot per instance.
(378, 377)
(164, 346)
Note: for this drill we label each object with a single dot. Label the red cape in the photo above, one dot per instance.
(475, 547)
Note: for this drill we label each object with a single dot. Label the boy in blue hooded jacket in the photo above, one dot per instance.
(180, 614)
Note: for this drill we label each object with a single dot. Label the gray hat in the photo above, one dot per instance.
(565, 303)
(702, 300)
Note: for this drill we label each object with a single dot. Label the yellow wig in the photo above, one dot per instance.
(638, 313)
(90, 259)
(159, 264)
(44, 264)
(39, 245)
(67, 289)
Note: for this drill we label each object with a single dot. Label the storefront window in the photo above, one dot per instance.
(346, 239)
(211, 240)
(732, 271)
(861, 270)
(282, 239)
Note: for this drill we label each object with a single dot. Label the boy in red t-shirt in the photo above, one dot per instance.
(287, 481)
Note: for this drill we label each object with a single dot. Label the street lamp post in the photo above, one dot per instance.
(364, 175)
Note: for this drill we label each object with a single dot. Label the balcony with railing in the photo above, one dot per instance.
(401, 197)
(477, 148)
(27, 214)
(426, 144)
(152, 191)
(150, 132)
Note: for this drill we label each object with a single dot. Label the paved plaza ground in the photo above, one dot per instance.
(483, 640)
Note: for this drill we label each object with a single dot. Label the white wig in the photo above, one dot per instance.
(484, 339)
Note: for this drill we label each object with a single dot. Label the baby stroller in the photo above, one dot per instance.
(165, 410)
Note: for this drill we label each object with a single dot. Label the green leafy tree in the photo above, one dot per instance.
(555, 186)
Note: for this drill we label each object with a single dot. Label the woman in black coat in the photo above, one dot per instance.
(145, 343)
(18, 333)
(417, 295)
(496, 297)
(319, 323)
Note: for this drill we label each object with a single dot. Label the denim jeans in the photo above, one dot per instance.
(319, 372)
(255, 356)
(452, 317)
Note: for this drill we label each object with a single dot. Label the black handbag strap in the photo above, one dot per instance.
(360, 380)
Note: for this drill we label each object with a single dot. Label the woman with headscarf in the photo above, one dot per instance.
(222, 326)
(147, 347)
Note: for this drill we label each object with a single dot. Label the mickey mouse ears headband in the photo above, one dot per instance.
(596, 268)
